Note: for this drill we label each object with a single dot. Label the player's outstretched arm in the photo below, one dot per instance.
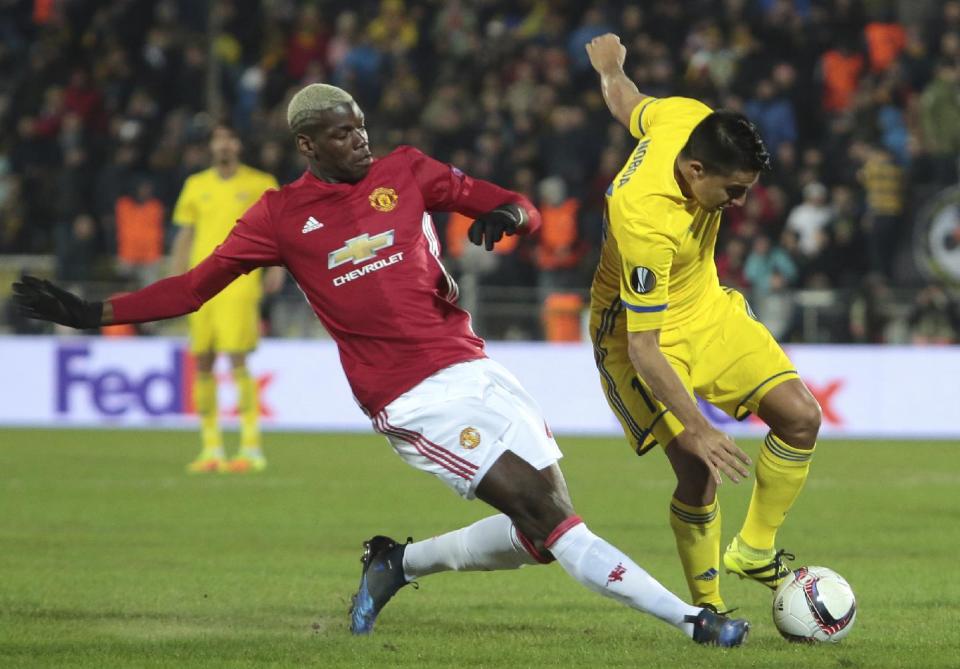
(701, 439)
(621, 95)
(168, 298)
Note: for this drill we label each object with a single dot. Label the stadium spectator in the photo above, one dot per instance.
(934, 317)
(139, 223)
(731, 264)
(776, 308)
(559, 247)
(848, 237)
(773, 115)
(809, 218)
(308, 43)
(940, 120)
(885, 40)
(883, 182)
(74, 180)
(394, 30)
(76, 249)
(762, 213)
(842, 68)
(764, 263)
(85, 100)
(12, 215)
(455, 30)
(870, 311)
(114, 181)
(891, 125)
(591, 25)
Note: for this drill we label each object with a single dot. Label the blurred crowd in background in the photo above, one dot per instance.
(105, 109)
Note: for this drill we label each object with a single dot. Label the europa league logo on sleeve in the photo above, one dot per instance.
(936, 241)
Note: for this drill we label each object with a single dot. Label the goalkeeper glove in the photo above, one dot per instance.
(40, 299)
(489, 228)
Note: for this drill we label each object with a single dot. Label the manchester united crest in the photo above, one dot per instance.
(384, 199)
(469, 438)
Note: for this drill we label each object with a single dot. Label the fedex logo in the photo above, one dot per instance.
(115, 391)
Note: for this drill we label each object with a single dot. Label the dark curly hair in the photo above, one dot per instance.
(727, 142)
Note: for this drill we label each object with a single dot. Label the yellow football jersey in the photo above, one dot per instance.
(212, 205)
(657, 254)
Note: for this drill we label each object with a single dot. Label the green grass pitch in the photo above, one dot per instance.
(111, 556)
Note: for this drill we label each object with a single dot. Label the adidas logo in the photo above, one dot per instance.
(708, 575)
(311, 225)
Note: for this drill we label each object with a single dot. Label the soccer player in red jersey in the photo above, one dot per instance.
(356, 235)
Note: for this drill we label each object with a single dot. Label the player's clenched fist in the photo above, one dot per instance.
(606, 53)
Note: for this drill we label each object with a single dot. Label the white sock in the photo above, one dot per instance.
(487, 545)
(604, 569)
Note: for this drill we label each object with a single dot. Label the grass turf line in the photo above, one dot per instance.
(110, 555)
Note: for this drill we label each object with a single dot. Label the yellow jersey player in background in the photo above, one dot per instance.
(209, 204)
(663, 327)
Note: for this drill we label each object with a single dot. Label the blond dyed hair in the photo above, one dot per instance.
(311, 100)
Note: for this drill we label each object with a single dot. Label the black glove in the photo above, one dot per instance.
(40, 299)
(489, 228)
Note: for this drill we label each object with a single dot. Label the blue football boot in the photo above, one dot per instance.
(715, 629)
(382, 576)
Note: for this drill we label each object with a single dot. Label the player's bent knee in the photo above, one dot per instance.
(808, 417)
(801, 424)
(813, 416)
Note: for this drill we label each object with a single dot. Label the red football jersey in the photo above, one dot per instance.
(367, 257)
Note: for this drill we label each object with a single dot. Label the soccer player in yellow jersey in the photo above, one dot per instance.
(664, 328)
(209, 204)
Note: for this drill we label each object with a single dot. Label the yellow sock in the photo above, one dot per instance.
(781, 473)
(205, 401)
(249, 408)
(697, 530)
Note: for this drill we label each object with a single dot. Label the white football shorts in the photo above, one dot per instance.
(457, 422)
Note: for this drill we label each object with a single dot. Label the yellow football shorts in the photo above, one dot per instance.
(230, 325)
(727, 357)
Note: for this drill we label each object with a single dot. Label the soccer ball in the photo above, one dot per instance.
(814, 604)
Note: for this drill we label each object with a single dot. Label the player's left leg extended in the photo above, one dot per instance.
(250, 457)
(782, 467)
